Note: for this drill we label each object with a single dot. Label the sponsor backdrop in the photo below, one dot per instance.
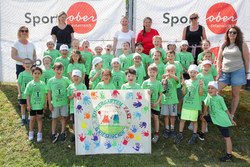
(96, 20)
(112, 121)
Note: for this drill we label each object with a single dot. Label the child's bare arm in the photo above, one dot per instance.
(46, 100)
(83, 77)
(201, 87)
(205, 110)
(19, 91)
(174, 77)
(158, 101)
(28, 103)
(95, 76)
(183, 87)
(49, 99)
(231, 119)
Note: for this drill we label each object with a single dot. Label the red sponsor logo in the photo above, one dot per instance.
(82, 17)
(220, 16)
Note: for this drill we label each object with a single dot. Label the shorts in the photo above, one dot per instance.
(234, 78)
(155, 112)
(22, 101)
(189, 115)
(19, 69)
(60, 111)
(224, 130)
(34, 112)
(169, 109)
(73, 118)
(186, 76)
(179, 93)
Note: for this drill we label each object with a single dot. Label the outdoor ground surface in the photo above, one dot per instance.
(16, 150)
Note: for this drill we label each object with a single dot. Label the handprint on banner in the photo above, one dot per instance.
(134, 129)
(78, 96)
(79, 109)
(102, 96)
(81, 138)
(107, 144)
(86, 115)
(87, 145)
(93, 95)
(137, 147)
(86, 100)
(83, 125)
(139, 95)
(142, 124)
(89, 132)
(129, 95)
(115, 94)
(119, 148)
(137, 115)
(138, 137)
(95, 137)
(145, 133)
(130, 135)
(114, 143)
(137, 104)
(97, 144)
(125, 141)
(145, 110)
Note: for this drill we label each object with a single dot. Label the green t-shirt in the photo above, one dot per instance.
(217, 110)
(145, 60)
(200, 56)
(23, 79)
(156, 88)
(76, 66)
(88, 57)
(126, 61)
(101, 85)
(192, 99)
(163, 53)
(65, 62)
(177, 57)
(179, 70)
(70, 91)
(53, 54)
(186, 59)
(128, 86)
(68, 55)
(212, 71)
(47, 74)
(37, 91)
(140, 74)
(96, 56)
(205, 79)
(98, 78)
(170, 97)
(58, 87)
(107, 59)
(160, 70)
(118, 79)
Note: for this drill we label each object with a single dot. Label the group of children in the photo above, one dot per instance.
(176, 86)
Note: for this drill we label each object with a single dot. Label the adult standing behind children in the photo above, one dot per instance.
(22, 49)
(194, 33)
(146, 35)
(63, 33)
(123, 35)
(233, 70)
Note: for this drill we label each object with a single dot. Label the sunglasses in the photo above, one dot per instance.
(24, 31)
(232, 32)
(193, 18)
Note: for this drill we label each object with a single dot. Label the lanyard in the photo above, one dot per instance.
(26, 49)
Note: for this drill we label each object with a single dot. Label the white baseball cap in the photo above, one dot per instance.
(64, 47)
(213, 83)
(136, 55)
(193, 67)
(77, 73)
(206, 62)
(50, 40)
(184, 42)
(116, 60)
(171, 43)
(96, 60)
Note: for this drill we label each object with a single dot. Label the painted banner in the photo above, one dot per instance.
(112, 122)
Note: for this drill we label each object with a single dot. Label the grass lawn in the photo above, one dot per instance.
(16, 150)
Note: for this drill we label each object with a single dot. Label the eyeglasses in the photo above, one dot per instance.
(193, 18)
(24, 31)
(232, 32)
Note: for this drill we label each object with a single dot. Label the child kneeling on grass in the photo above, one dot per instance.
(220, 116)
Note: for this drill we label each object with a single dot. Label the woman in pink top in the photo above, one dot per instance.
(146, 35)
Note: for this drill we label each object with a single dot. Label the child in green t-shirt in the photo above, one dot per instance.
(140, 72)
(207, 55)
(36, 102)
(169, 100)
(58, 100)
(205, 45)
(157, 42)
(126, 58)
(171, 46)
(107, 57)
(24, 78)
(186, 58)
(144, 58)
(88, 58)
(64, 50)
(74, 45)
(192, 91)
(218, 115)
(105, 84)
(98, 50)
(118, 76)
(71, 93)
(155, 91)
(76, 63)
(130, 76)
(51, 51)
(95, 73)
(160, 66)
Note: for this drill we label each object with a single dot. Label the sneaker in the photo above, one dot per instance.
(23, 122)
(192, 140)
(178, 138)
(179, 116)
(155, 138)
(200, 136)
(191, 127)
(63, 137)
(165, 134)
(39, 137)
(49, 118)
(226, 158)
(28, 123)
(31, 135)
(54, 137)
(172, 133)
(72, 139)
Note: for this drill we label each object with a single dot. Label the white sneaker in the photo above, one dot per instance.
(39, 137)
(155, 138)
(31, 135)
(191, 127)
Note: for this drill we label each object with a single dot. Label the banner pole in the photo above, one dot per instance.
(130, 14)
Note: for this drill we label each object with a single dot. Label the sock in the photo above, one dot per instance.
(167, 127)
(180, 133)
(157, 133)
(23, 116)
(172, 127)
(29, 117)
(229, 155)
(194, 135)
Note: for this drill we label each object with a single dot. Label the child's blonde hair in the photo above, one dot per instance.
(47, 56)
(157, 51)
(157, 36)
(73, 40)
(171, 67)
(153, 68)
